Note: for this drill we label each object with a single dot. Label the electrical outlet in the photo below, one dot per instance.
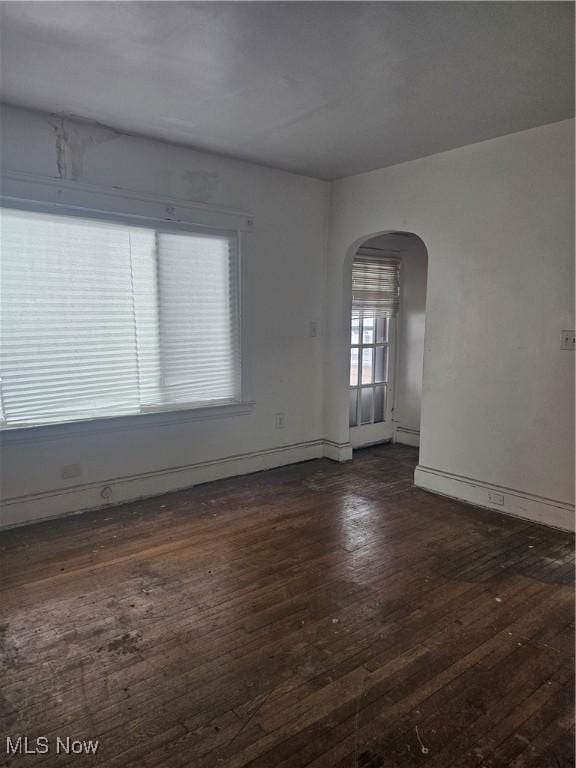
(496, 498)
(106, 493)
(280, 420)
(70, 470)
(568, 340)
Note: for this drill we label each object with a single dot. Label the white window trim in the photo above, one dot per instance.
(47, 195)
(50, 194)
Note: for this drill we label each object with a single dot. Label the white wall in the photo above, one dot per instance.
(411, 325)
(284, 365)
(498, 397)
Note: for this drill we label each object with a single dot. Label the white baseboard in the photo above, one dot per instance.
(371, 434)
(557, 514)
(407, 436)
(337, 451)
(28, 509)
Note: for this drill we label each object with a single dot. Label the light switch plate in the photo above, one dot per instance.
(567, 340)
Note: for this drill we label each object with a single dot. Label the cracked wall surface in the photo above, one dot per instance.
(73, 140)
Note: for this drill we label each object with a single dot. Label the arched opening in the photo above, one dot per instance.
(389, 274)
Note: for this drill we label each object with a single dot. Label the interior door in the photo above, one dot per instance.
(372, 354)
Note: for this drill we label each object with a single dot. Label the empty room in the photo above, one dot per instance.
(287, 384)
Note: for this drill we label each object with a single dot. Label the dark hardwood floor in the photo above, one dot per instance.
(318, 615)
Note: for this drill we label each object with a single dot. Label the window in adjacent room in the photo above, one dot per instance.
(102, 319)
(375, 300)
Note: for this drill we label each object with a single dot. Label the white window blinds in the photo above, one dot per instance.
(103, 319)
(375, 286)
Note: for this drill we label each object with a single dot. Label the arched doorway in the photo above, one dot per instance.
(387, 323)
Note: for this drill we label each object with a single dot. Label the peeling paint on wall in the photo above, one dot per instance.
(74, 140)
(58, 126)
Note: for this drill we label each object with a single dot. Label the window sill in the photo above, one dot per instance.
(157, 418)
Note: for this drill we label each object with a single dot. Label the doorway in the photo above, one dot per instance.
(389, 277)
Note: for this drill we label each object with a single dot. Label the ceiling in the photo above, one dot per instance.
(326, 89)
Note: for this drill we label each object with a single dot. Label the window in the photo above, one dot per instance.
(375, 299)
(103, 319)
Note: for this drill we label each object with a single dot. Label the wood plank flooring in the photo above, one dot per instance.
(321, 615)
